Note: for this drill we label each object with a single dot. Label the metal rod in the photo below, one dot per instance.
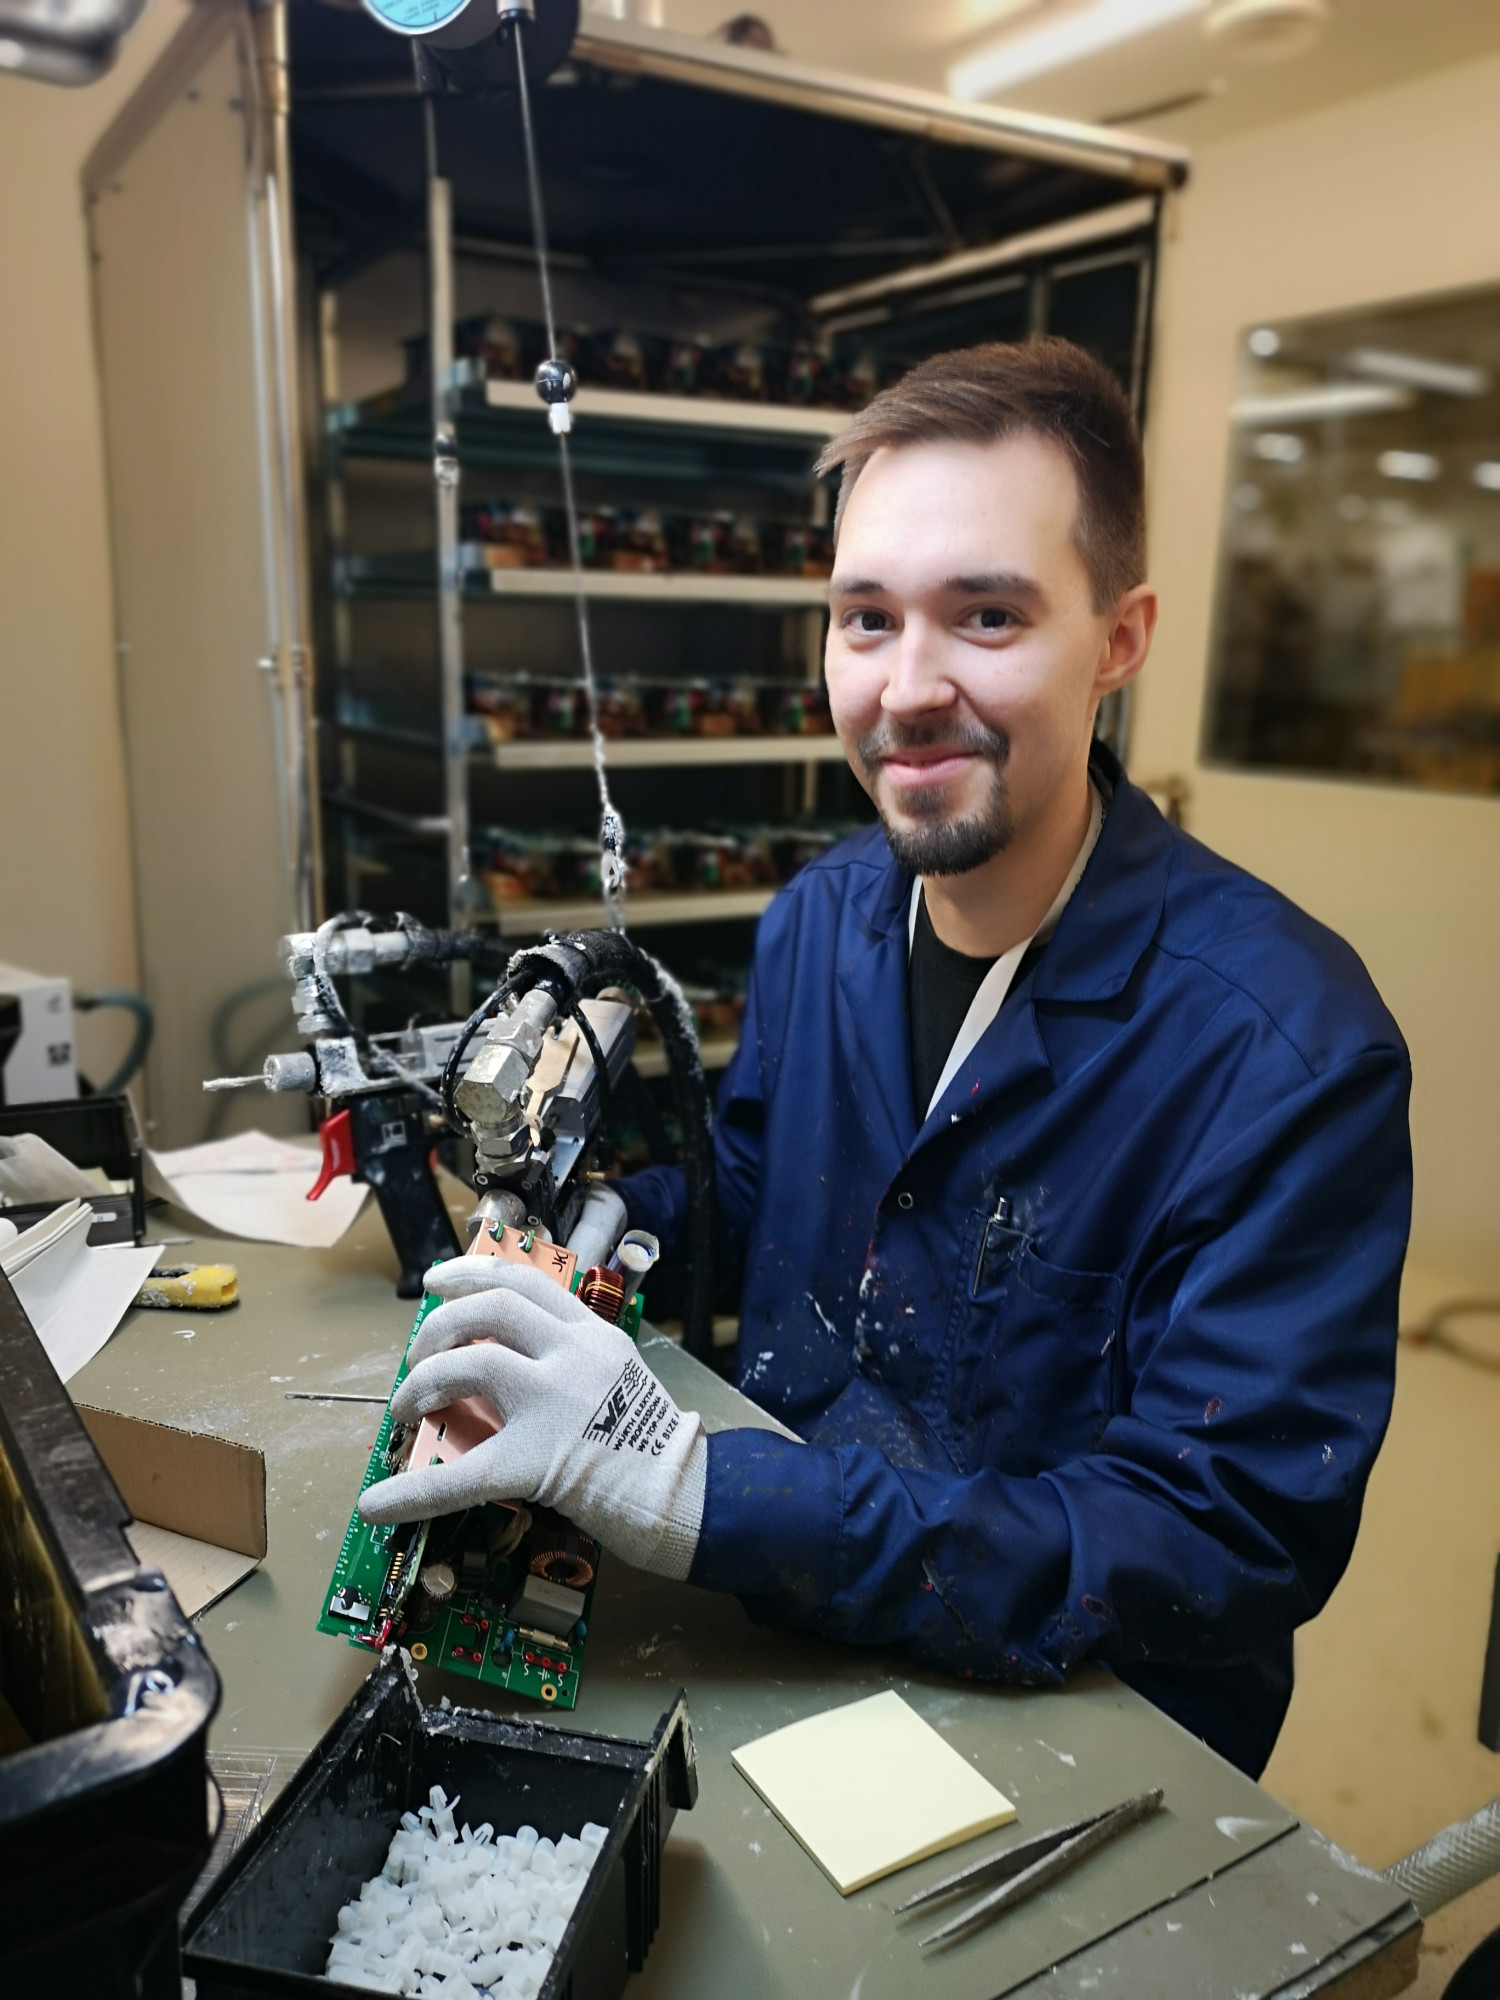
(675, 58)
(450, 634)
(330, 1396)
(269, 665)
(423, 823)
(272, 64)
(1116, 220)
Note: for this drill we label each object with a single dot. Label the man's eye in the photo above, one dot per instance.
(991, 618)
(866, 620)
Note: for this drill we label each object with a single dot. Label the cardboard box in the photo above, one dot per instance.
(199, 1502)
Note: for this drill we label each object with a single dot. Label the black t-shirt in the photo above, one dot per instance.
(941, 984)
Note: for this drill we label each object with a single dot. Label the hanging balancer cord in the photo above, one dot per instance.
(556, 382)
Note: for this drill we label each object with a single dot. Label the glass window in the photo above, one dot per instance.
(1358, 619)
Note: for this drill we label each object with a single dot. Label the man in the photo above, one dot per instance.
(1069, 1163)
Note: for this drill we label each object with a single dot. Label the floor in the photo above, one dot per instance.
(1380, 1747)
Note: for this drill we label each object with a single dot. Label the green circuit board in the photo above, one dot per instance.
(371, 1602)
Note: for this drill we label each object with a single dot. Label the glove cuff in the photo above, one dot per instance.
(673, 1555)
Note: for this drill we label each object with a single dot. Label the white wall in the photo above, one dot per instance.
(1379, 198)
(65, 877)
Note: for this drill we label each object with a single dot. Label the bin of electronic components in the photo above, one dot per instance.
(267, 1925)
(105, 1701)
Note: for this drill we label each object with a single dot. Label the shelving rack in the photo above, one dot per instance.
(690, 186)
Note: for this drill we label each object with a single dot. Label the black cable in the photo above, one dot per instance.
(601, 1067)
(139, 1008)
(564, 964)
(1432, 1332)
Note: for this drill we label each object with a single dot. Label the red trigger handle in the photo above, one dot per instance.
(337, 1134)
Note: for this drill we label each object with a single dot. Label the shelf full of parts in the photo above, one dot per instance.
(742, 251)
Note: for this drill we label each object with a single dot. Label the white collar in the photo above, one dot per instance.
(996, 983)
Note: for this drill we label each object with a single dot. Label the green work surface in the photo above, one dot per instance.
(745, 1912)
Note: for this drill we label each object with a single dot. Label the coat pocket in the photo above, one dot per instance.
(1032, 1354)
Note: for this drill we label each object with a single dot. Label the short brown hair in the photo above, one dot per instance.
(979, 395)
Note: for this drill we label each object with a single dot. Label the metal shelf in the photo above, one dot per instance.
(530, 919)
(626, 753)
(622, 753)
(427, 826)
(717, 1053)
(659, 587)
(415, 576)
(700, 413)
(623, 435)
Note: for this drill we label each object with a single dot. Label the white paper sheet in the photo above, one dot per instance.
(74, 1295)
(255, 1186)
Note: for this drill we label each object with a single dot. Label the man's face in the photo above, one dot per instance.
(965, 657)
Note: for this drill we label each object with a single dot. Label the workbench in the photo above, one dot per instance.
(745, 1913)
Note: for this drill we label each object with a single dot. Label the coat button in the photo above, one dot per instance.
(905, 1200)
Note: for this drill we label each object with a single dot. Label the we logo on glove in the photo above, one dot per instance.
(636, 1395)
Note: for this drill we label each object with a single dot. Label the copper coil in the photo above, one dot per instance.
(603, 1292)
(567, 1566)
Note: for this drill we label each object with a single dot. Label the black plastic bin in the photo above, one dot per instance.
(91, 1132)
(105, 1701)
(265, 1924)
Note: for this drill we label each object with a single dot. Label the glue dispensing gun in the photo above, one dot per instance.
(385, 1117)
(527, 1079)
(531, 1097)
(384, 1140)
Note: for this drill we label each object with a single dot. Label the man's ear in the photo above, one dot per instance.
(1128, 640)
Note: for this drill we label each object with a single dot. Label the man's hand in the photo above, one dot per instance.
(588, 1428)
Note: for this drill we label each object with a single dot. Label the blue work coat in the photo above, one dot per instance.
(1094, 1359)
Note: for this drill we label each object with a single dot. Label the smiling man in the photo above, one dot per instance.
(1068, 1163)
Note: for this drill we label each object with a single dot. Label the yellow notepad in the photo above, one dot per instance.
(870, 1788)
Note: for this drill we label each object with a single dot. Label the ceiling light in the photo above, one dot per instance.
(1417, 371)
(1306, 406)
(1263, 342)
(1083, 31)
(1267, 30)
(1415, 465)
(1280, 447)
(1487, 474)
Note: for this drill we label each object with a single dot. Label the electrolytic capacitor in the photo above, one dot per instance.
(437, 1583)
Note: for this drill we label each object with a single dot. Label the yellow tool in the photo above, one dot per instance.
(191, 1288)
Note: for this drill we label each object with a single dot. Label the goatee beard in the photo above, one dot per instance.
(935, 845)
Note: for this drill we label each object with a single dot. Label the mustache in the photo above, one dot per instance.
(962, 738)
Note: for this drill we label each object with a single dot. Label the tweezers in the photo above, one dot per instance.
(1030, 1865)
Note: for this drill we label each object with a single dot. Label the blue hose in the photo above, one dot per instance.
(145, 1026)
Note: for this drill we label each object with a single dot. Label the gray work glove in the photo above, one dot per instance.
(588, 1430)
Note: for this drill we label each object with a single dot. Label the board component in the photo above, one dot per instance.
(502, 1593)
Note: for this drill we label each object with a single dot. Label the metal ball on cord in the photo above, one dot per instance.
(556, 382)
